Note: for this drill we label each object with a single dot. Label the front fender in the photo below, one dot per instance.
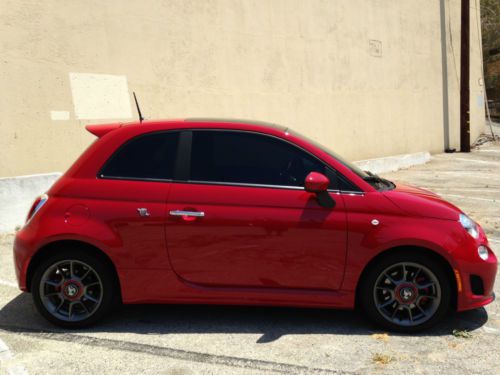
(444, 237)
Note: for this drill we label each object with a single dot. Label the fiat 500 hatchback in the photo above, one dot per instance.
(242, 212)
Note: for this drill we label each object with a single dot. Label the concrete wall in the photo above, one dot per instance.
(17, 195)
(363, 76)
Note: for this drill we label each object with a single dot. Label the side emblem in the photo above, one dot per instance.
(143, 212)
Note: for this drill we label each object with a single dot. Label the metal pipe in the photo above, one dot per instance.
(464, 78)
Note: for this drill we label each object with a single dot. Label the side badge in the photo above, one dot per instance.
(143, 212)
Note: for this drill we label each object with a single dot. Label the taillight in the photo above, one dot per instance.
(37, 204)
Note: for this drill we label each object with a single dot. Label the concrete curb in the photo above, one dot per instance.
(17, 194)
(393, 163)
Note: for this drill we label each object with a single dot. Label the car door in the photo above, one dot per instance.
(129, 195)
(243, 218)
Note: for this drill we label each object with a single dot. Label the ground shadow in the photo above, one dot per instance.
(271, 322)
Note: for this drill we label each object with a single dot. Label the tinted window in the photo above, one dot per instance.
(239, 157)
(147, 156)
(351, 166)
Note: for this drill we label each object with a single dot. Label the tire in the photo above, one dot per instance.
(73, 289)
(405, 292)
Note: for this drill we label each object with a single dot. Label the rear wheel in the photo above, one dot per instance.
(73, 289)
(406, 292)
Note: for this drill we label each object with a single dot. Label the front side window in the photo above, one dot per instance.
(374, 180)
(150, 156)
(249, 158)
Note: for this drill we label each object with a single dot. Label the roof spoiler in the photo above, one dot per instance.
(100, 130)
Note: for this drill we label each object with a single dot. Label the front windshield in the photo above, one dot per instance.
(374, 180)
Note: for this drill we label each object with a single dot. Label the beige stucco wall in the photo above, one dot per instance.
(306, 64)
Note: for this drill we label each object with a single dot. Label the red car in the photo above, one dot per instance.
(244, 213)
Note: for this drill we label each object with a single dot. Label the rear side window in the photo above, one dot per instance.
(243, 157)
(150, 156)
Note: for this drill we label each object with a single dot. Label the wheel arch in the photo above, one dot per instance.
(63, 245)
(415, 249)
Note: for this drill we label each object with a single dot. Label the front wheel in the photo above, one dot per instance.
(72, 289)
(406, 292)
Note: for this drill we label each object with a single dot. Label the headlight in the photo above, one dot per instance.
(469, 225)
(482, 251)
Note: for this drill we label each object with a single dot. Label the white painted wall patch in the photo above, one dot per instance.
(100, 96)
(59, 115)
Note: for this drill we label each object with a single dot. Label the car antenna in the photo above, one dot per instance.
(138, 108)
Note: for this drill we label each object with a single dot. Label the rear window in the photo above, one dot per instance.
(150, 156)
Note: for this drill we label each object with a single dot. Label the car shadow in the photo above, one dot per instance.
(20, 315)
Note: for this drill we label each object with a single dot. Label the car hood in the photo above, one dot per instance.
(421, 202)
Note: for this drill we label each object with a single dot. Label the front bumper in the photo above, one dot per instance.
(475, 281)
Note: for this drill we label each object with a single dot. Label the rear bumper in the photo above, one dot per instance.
(22, 255)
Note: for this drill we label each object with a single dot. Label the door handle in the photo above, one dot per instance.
(187, 213)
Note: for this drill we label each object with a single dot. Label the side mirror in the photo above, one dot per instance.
(318, 183)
